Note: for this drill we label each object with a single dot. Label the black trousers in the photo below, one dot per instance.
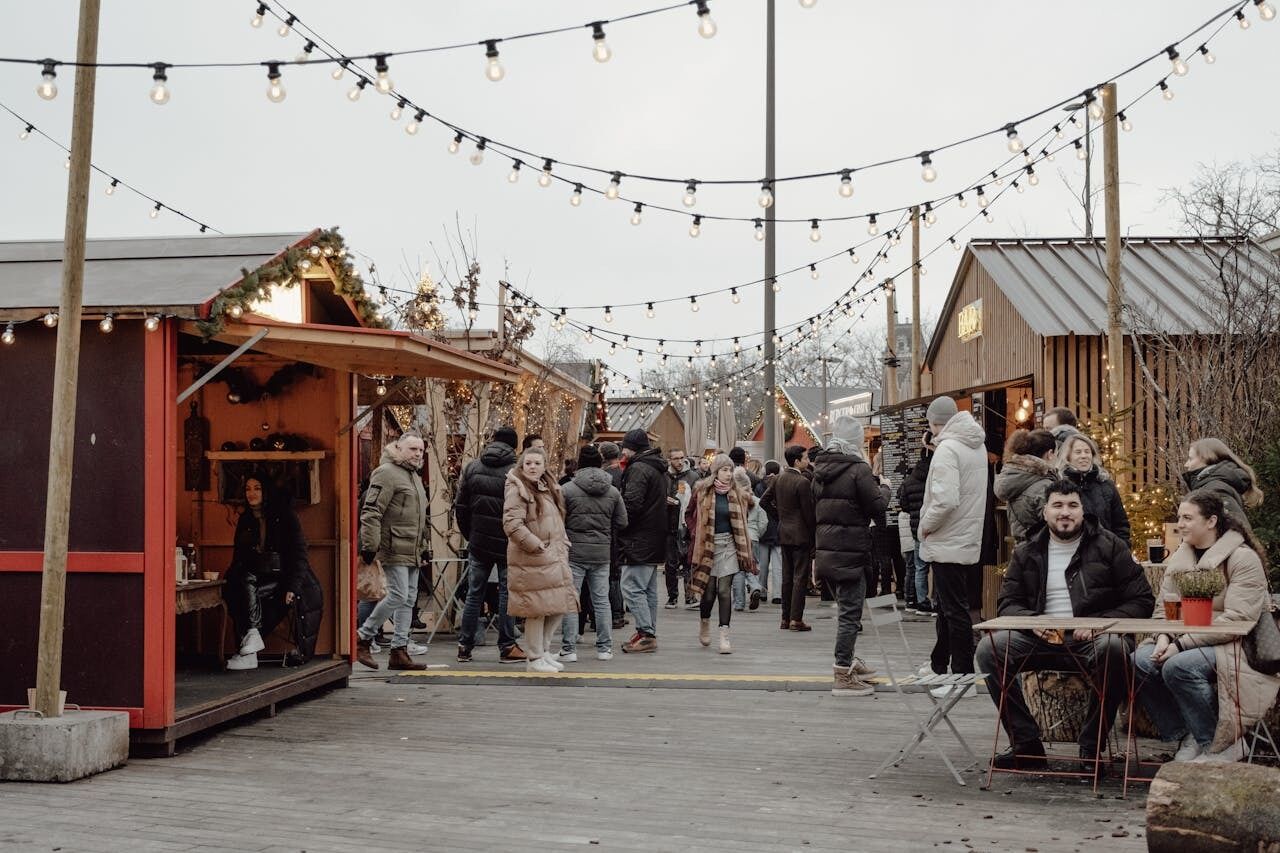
(795, 581)
(675, 568)
(954, 645)
(721, 590)
(615, 590)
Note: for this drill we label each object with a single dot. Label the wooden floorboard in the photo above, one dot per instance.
(437, 766)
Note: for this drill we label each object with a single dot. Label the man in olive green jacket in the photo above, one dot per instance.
(393, 528)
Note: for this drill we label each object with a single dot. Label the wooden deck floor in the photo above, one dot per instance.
(429, 765)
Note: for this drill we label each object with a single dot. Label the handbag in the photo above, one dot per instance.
(1262, 644)
(371, 583)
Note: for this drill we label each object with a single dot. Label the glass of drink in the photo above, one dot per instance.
(1172, 606)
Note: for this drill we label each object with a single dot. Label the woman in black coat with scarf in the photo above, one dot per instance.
(1079, 462)
(269, 573)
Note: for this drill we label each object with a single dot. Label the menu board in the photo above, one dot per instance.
(900, 431)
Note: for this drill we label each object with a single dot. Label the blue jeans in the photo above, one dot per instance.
(640, 590)
(477, 577)
(744, 583)
(769, 558)
(1180, 696)
(402, 592)
(922, 577)
(363, 609)
(597, 575)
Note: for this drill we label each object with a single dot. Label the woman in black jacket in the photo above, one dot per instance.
(269, 572)
(1211, 466)
(1078, 461)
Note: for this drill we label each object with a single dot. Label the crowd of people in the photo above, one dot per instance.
(728, 533)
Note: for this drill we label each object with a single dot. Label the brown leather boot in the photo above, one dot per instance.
(400, 660)
(364, 655)
(800, 625)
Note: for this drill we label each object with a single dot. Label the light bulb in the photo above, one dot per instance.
(258, 16)
(982, 198)
(160, 91)
(514, 175)
(106, 324)
(1180, 67)
(922, 269)
(305, 54)
(608, 314)
(986, 214)
(759, 230)
(381, 389)
(383, 82)
(8, 337)
(275, 88)
(693, 304)
(455, 143)
(1032, 178)
(285, 28)
(706, 26)
(338, 70)
(690, 195)
(47, 88)
(814, 233)
(477, 156)
(1095, 109)
(613, 189)
(1165, 91)
(766, 196)
(493, 66)
(599, 48)
(50, 319)
(397, 111)
(1244, 22)
(354, 93)
(734, 296)
(1209, 58)
(236, 311)
(808, 4)
(813, 272)
(648, 311)
(152, 323)
(544, 179)
(576, 198)
(853, 257)
(1266, 11)
(696, 228)
(111, 187)
(635, 214)
(1080, 152)
(846, 184)
(1014, 143)
(415, 123)
(930, 217)
(928, 172)
(872, 228)
(955, 245)
(961, 200)
(155, 211)
(1125, 124)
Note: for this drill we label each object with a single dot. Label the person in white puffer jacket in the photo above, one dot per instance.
(951, 521)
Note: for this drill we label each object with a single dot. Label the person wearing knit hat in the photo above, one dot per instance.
(636, 440)
(611, 456)
(506, 435)
(642, 545)
(951, 525)
(847, 497)
(594, 514)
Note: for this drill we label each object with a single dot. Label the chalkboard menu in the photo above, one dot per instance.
(900, 432)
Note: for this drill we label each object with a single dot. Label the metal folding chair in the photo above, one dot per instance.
(884, 612)
(1258, 735)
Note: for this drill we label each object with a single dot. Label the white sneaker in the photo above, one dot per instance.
(1230, 755)
(550, 658)
(540, 665)
(725, 648)
(945, 690)
(238, 662)
(605, 655)
(567, 657)
(925, 669)
(374, 648)
(252, 643)
(416, 649)
(1187, 750)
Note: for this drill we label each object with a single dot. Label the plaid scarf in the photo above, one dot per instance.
(702, 556)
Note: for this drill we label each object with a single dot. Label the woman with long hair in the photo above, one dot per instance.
(1024, 479)
(539, 582)
(1080, 462)
(721, 545)
(1199, 689)
(1212, 466)
(269, 573)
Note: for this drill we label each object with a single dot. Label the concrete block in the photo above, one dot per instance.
(61, 749)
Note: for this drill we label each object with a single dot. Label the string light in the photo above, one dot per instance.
(493, 66)
(853, 256)
(477, 156)
(815, 234)
(693, 304)
(106, 324)
(544, 179)
(236, 311)
(26, 131)
(383, 82)
(775, 285)
(1244, 22)
(1080, 152)
(286, 27)
(608, 314)
(514, 175)
(1176, 62)
(600, 48)
(47, 88)
(258, 16)
(398, 110)
(648, 311)
(813, 272)
(614, 188)
(706, 26)
(8, 337)
(111, 187)
(1032, 178)
(846, 184)
(456, 143)
(927, 171)
(1165, 91)
(872, 228)
(734, 296)
(414, 123)
(766, 195)
(305, 55)
(961, 200)
(339, 69)
(1125, 124)
(1094, 106)
(354, 93)
(635, 214)
(690, 194)
(759, 230)
(929, 216)
(160, 91)
(696, 228)
(155, 211)
(381, 389)
(50, 320)
(1012, 140)
(1209, 58)
(576, 198)
(275, 88)
(152, 322)
(1266, 11)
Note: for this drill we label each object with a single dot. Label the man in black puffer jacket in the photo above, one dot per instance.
(1071, 568)
(642, 545)
(478, 511)
(846, 497)
(911, 499)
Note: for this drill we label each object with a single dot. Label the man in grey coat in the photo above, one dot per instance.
(594, 513)
(393, 529)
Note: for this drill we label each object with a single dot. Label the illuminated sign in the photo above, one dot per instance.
(969, 321)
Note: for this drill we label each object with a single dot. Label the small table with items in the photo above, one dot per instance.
(197, 596)
(1138, 628)
(1064, 625)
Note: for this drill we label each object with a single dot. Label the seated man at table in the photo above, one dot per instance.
(1071, 568)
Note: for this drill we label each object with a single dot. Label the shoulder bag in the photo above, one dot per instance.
(1262, 644)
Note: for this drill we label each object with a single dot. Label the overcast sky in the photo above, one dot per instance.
(857, 82)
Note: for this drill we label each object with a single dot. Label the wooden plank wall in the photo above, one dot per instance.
(1007, 347)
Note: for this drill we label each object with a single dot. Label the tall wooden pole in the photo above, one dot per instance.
(916, 342)
(771, 437)
(66, 372)
(890, 351)
(1115, 289)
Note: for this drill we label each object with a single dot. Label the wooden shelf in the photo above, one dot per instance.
(262, 455)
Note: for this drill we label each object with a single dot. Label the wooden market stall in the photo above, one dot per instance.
(201, 358)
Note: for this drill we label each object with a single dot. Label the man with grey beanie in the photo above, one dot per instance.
(951, 522)
(846, 498)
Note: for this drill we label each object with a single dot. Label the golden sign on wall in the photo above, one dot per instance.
(969, 320)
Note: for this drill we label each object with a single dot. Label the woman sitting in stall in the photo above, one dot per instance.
(268, 575)
(1200, 690)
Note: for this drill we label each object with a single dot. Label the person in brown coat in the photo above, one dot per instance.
(539, 584)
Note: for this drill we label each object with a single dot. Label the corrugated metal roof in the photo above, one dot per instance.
(170, 272)
(1060, 286)
(807, 399)
(626, 413)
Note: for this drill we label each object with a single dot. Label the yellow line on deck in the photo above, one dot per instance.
(624, 676)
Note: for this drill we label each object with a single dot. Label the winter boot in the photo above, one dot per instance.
(847, 683)
(400, 660)
(704, 631)
(724, 640)
(364, 655)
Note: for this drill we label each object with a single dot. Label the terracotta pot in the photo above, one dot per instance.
(1197, 611)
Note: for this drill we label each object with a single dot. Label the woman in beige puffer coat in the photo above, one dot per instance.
(539, 583)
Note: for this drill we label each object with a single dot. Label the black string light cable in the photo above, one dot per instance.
(29, 129)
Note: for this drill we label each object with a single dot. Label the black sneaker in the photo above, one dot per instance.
(756, 595)
(1090, 761)
(1025, 756)
(464, 654)
(671, 602)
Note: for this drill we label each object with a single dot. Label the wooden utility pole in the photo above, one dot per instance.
(1115, 290)
(66, 372)
(916, 343)
(890, 393)
(772, 440)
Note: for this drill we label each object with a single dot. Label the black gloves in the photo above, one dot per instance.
(367, 556)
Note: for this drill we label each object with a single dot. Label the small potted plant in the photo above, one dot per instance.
(1198, 590)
